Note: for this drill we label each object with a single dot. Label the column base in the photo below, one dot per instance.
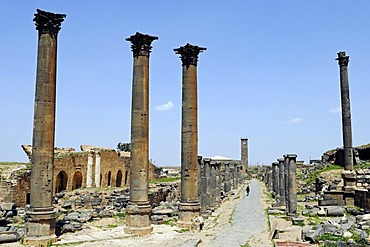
(138, 219)
(188, 211)
(40, 227)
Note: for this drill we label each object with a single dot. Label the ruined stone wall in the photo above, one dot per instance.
(71, 167)
(112, 169)
(15, 190)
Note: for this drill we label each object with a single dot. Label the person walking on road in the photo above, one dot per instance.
(248, 189)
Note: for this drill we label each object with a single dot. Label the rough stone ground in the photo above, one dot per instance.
(239, 220)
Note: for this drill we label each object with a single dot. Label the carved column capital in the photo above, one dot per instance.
(47, 22)
(189, 54)
(342, 59)
(141, 44)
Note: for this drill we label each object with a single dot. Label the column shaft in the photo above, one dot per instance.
(346, 110)
(97, 169)
(281, 182)
(138, 217)
(40, 225)
(89, 170)
(292, 198)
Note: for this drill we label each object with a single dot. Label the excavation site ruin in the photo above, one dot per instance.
(98, 195)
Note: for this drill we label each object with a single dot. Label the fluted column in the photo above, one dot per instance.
(189, 205)
(343, 61)
(138, 217)
(202, 184)
(40, 225)
(292, 185)
(213, 184)
(281, 182)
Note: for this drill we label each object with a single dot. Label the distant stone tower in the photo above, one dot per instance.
(244, 154)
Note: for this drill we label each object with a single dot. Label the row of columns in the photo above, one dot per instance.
(40, 226)
(216, 179)
(281, 180)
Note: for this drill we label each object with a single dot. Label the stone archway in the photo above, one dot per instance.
(62, 180)
(77, 180)
(119, 179)
(109, 178)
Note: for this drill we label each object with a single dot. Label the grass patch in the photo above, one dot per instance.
(245, 245)
(112, 226)
(165, 180)
(170, 222)
(312, 176)
(182, 230)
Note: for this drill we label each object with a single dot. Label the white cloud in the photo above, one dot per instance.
(335, 110)
(295, 121)
(165, 107)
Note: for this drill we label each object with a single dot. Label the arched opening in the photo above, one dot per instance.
(77, 180)
(126, 174)
(62, 180)
(108, 179)
(119, 179)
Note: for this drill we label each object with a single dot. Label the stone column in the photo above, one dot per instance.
(201, 181)
(275, 179)
(207, 171)
(189, 204)
(89, 169)
(218, 183)
(292, 187)
(281, 182)
(138, 218)
(40, 225)
(235, 178)
(97, 169)
(213, 184)
(286, 181)
(244, 154)
(346, 110)
(227, 187)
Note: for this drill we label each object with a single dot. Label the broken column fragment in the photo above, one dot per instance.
(40, 225)
(138, 217)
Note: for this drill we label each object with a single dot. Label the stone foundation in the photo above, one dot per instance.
(187, 213)
(138, 219)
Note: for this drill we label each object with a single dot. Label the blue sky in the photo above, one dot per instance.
(269, 73)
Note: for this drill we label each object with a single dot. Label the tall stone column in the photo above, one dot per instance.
(97, 169)
(292, 187)
(286, 181)
(40, 225)
(218, 183)
(138, 218)
(281, 182)
(213, 184)
(275, 179)
(207, 171)
(203, 188)
(227, 183)
(189, 204)
(235, 174)
(343, 61)
(89, 169)
(244, 154)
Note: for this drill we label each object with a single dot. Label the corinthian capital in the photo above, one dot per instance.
(343, 60)
(47, 22)
(189, 54)
(141, 44)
